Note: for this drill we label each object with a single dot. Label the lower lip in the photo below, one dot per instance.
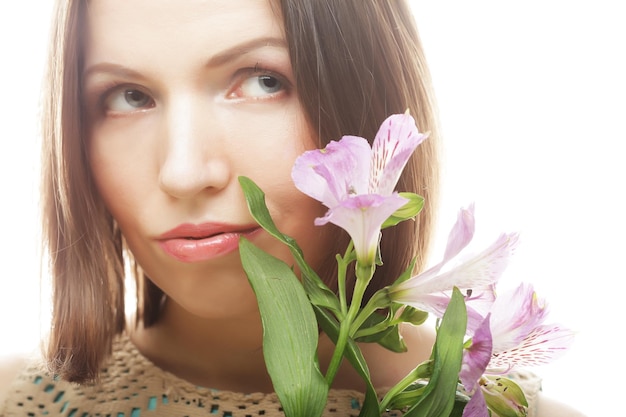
(191, 250)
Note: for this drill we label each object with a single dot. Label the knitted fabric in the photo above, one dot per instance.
(132, 386)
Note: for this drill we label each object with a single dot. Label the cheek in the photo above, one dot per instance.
(294, 214)
(292, 211)
(315, 241)
(119, 181)
(275, 151)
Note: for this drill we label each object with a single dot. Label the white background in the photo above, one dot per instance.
(532, 98)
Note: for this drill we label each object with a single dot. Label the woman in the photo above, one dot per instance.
(155, 108)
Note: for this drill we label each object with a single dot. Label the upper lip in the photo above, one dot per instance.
(203, 230)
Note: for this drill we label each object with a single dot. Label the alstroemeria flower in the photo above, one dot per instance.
(520, 337)
(475, 360)
(357, 182)
(475, 274)
(512, 335)
(477, 356)
(501, 396)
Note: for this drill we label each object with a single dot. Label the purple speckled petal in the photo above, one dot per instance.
(362, 217)
(477, 356)
(334, 173)
(395, 141)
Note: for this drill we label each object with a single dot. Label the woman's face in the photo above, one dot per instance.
(183, 98)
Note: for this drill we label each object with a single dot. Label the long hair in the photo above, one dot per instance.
(354, 61)
(83, 247)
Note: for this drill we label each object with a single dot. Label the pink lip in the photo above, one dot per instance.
(202, 242)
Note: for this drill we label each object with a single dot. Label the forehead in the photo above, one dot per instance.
(160, 30)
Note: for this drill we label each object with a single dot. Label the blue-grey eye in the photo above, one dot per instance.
(126, 99)
(260, 85)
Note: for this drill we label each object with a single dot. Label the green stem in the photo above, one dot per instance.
(344, 328)
(377, 301)
(374, 329)
(423, 370)
(342, 266)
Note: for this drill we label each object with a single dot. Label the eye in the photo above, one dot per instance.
(259, 86)
(127, 100)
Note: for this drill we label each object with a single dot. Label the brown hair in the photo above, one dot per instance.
(355, 62)
(83, 246)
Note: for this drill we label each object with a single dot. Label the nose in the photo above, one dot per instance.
(193, 156)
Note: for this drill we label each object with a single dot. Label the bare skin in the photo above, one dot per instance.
(9, 369)
(235, 361)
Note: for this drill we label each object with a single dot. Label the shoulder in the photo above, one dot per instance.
(22, 378)
(549, 407)
(540, 405)
(10, 367)
(28, 388)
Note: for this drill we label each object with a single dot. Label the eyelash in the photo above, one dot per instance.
(107, 91)
(246, 73)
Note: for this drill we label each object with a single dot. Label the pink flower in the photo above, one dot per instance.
(512, 335)
(357, 182)
(477, 356)
(475, 274)
(520, 337)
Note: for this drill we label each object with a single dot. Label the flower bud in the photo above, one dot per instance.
(504, 397)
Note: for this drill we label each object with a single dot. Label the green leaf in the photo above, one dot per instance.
(318, 292)
(388, 336)
(411, 395)
(459, 406)
(393, 341)
(414, 316)
(408, 211)
(439, 395)
(290, 333)
(330, 326)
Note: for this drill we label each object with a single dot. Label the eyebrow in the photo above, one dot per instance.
(111, 68)
(220, 58)
(244, 48)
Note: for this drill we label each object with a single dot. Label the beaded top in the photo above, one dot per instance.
(132, 386)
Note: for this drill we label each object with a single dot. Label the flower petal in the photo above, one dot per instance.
(362, 217)
(459, 237)
(477, 276)
(481, 299)
(431, 303)
(543, 345)
(395, 141)
(515, 314)
(477, 356)
(461, 234)
(332, 174)
(476, 407)
(479, 271)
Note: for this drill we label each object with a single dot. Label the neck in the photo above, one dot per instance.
(223, 353)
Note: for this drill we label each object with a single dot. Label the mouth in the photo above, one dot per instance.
(200, 237)
(197, 243)
(205, 230)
